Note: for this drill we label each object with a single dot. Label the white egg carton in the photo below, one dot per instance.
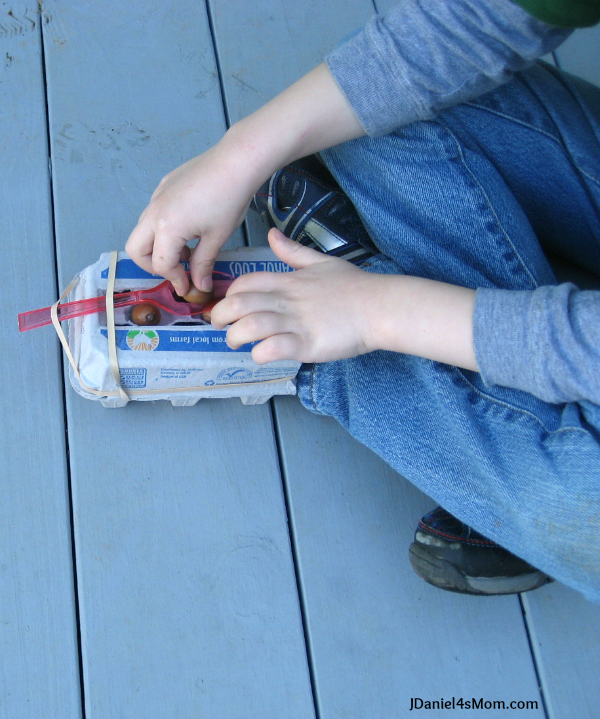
(175, 361)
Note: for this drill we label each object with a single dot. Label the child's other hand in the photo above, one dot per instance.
(319, 313)
(208, 198)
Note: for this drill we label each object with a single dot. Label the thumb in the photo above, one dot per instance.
(293, 253)
(202, 262)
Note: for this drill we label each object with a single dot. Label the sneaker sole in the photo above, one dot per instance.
(444, 575)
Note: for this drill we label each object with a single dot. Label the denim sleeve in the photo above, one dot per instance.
(427, 55)
(544, 341)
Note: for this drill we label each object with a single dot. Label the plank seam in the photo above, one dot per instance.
(213, 39)
(62, 367)
(272, 411)
(534, 658)
(294, 549)
(211, 30)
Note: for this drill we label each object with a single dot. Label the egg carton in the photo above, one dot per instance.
(180, 360)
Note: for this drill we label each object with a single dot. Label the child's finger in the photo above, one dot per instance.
(257, 282)
(293, 253)
(166, 257)
(202, 261)
(139, 246)
(284, 346)
(255, 327)
(241, 304)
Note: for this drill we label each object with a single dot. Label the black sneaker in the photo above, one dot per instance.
(304, 201)
(450, 555)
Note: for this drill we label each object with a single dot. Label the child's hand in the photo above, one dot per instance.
(206, 197)
(209, 196)
(318, 313)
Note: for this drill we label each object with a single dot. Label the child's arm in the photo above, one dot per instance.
(208, 196)
(423, 56)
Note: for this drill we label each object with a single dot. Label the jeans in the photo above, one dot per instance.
(481, 197)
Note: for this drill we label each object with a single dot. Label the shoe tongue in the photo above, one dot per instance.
(288, 189)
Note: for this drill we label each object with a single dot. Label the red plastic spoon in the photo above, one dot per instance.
(162, 296)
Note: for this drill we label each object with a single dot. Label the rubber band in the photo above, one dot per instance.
(59, 330)
(114, 364)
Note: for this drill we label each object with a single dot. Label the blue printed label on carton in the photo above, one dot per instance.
(128, 270)
(144, 339)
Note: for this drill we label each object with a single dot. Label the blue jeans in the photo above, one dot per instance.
(478, 198)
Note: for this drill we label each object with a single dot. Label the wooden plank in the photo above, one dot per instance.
(39, 666)
(189, 604)
(280, 44)
(168, 90)
(378, 634)
(565, 634)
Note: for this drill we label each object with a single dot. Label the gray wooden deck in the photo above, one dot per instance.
(219, 561)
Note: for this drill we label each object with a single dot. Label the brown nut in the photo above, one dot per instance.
(145, 314)
(197, 297)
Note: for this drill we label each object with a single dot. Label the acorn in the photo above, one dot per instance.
(145, 314)
(198, 297)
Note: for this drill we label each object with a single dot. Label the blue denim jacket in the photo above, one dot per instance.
(428, 55)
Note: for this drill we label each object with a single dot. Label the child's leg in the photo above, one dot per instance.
(522, 472)
(557, 181)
